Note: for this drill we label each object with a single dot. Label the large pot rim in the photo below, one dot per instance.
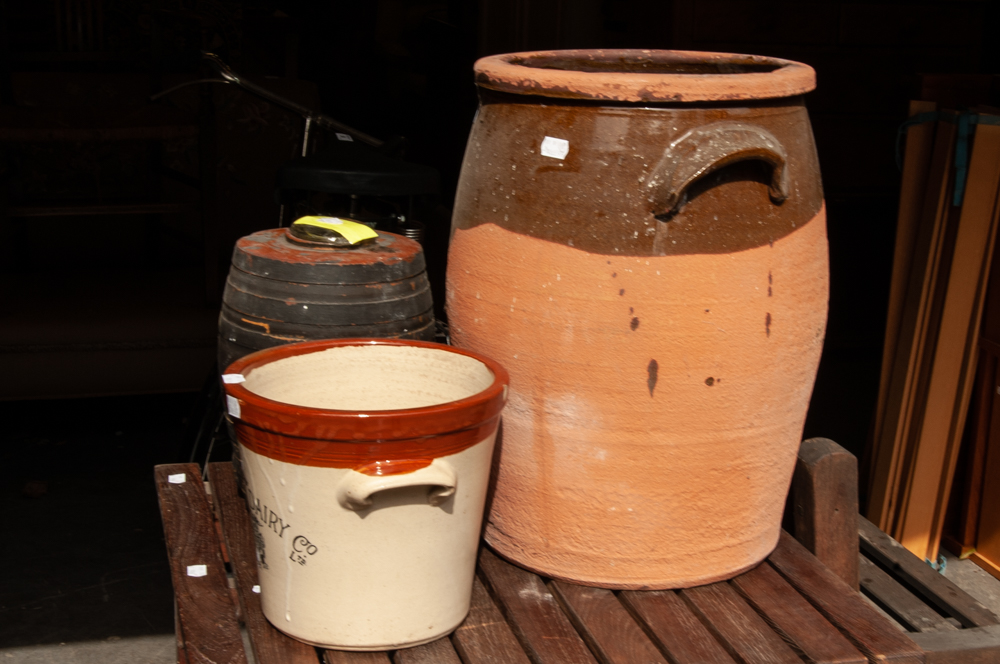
(374, 426)
(644, 75)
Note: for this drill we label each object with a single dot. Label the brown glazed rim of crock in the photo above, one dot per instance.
(634, 75)
(433, 429)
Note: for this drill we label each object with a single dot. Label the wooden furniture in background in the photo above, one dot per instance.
(952, 368)
(950, 625)
(791, 608)
(915, 288)
(944, 249)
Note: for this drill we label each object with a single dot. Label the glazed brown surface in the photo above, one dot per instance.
(358, 439)
(605, 196)
(368, 457)
(645, 75)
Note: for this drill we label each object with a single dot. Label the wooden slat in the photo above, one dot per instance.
(679, 632)
(179, 635)
(348, 657)
(533, 613)
(269, 645)
(987, 564)
(825, 505)
(484, 637)
(435, 652)
(987, 554)
(889, 454)
(795, 618)
(905, 607)
(606, 625)
(916, 163)
(910, 429)
(984, 417)
(934, 588)
(870, 632)
(204, 606)
(738, 626)
(977, 645)
(942, 421)
(982, 497)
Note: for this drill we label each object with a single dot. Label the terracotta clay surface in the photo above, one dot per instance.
(634, 75)
(656, 403)
(653, 274)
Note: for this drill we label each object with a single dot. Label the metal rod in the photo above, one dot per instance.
(323, 121)
(305, 136)
(184, 85)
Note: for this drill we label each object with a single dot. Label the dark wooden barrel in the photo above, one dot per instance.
(281, 291)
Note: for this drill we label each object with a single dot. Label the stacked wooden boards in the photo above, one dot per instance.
(944, 246)
(973, 526)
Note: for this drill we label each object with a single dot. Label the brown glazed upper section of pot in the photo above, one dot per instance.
(640, 180)
(634, 75)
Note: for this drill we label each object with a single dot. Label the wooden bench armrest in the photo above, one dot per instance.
(824, 502)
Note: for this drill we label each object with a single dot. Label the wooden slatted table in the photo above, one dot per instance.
(949, 624)
(791, 608)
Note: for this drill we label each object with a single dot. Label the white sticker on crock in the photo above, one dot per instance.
(197, 570)
(557, 148)
(233, 406)
(179, 478)
(344, 137)
(233, 379)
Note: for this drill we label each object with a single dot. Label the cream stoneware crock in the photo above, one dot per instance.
(365, 466)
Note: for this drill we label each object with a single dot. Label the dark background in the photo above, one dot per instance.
(93, 309)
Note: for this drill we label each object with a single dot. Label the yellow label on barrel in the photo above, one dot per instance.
(352, 231)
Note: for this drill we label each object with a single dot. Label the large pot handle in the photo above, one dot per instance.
(708, 148)
(355, 489)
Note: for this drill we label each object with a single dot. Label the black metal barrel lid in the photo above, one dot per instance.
(272, 255)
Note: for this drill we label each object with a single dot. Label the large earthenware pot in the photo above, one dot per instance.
(365, 465)
(639, 237)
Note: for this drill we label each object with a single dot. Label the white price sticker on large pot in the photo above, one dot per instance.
(557, 148)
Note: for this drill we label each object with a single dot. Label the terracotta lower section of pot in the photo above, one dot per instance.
(656, 403)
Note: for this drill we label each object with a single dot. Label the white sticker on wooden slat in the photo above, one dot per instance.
(179, 478)
(344, 137)
(233, 406)
(256, 589)
(197, 570)
(233, 379)
(557, 148)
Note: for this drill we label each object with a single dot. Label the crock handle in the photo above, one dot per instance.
(706, 149)
(355, 489)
